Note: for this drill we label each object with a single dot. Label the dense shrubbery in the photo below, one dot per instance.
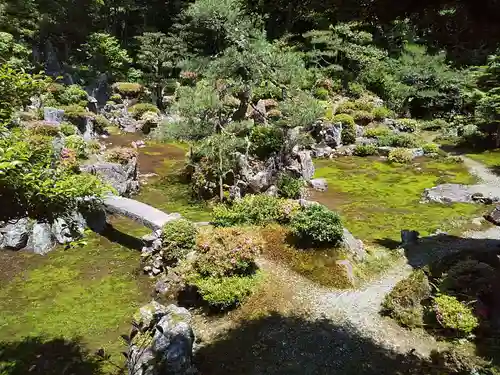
(400, 155)
(178, 239)
(430, 148)
(137, 110)
(316, 225)
(404, 302)
(290, 187)
(398, 140)
(348, 127)
(75, 113)
(265, 141)
(453, 315)
(365, 150)
(121, 155)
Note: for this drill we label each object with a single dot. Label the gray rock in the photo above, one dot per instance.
(162, 287)
(348, 270)
(272, 191)
(409, 237)
(16, 234)
(92, 104)
(319, 184)
(96, 220)
(148, 239)
(260, 181)
(384, 150)
(353, 246)
(123, 177)
(321, 151)
(455, 193)
(234, 192)
(170, 349)
(494, 216)
(53, 115)
(259, 113)
(41, 240)
(366, 141)
(306, 164)
(417, 152)
(360, 131)
(66, 230)
(331, 134)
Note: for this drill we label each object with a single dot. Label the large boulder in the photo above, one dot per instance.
(53, 115)
(163, 344)
(123, 177)
(15, 235)
(353, 246)
(41, 239)
(306, 163)
(321, 150)
(319, 184)
(67, 229)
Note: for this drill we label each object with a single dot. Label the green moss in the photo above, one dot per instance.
(376, 199)
(87, 293)
(490, 158)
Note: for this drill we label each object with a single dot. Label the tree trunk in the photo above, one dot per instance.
(497, 140)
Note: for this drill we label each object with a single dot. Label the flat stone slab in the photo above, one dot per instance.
(456, 193)
(143, 213)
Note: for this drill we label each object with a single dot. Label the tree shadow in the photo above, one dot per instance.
(116, 236)
(292, 345)
(495, 170)
(34, 355)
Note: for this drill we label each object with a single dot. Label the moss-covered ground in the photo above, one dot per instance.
(377, 199)
(489, 158)
(74, 299)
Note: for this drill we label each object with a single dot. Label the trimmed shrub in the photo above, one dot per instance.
(430, 148)
(117, 98)
(93, 146)
(404, 302)
(75, 113)
(223, 293)
(365, 150)
(101, 123)
(400, 155)
(265, 141)
(121, 155)
(73, 94)
(380, 113)
(250, 210)
(321, 93)
(316, 225)
(290, 187)
(377, 132)
(178, 239)
(453, 315)
(43, 128)
(227, 252)
(436, 124)
(68, 128)
(137, 110)
(407, 125)
(128, 89)
(398, 140)
(345, 119)
(77, 144)
(362, 117)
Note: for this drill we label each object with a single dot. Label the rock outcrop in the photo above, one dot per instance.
(122, 177)
(161, 341)
(455, 193)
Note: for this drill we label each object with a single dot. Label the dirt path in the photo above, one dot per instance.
(481, 171)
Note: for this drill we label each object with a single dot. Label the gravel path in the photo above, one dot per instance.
(481, 171)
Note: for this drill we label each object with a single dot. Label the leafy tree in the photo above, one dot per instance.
(104, 55)
(159, 56)
(13, 53)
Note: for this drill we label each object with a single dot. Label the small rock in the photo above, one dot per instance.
(319, 184)
(147, 269)
(156, 271)
(409, 237)
(478, 221)
(161, 287)
(272, 191)
(156, 245)
(493, 216)
(346, 267)
(16, 234)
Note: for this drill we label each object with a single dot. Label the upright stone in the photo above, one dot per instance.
(41, 240)
(16, 234)
(53, 115)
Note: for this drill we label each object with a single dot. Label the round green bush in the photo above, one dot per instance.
(222, 293)
(363, 117)
(398, 140)
(380, 113)
(316, 225)
(344, 118)
(321, 93)
(117, 98)
(67, 128)
(101, 123)
(430, 148)
(73, 94)
(380, 131)
(178, 239)
(408, 125)
(454, 315)
(128, 89)
(265, 141)
(348, 127)
(400, 156)
(75, 113)
(289, 187)
(137, 110)
(43, 128)
(365, 150)
(404, 302)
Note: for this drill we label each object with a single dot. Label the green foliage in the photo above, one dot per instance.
(321, 93)
(345, 119)
(380, 131)
(77, 144)
(380, 113)
(365, 150)
(301, 110)
(226, 252)
(265, 141)
(363, 117)
(348, 128)
(178, 239)
(453, 315)
(430, 148)
(104, 55)
(68, 128)
(316, 225)
(101, 123)
(137, 110)
(400, 155)
(13, 53)
(404, 302)
(290, 187)
(222, 293)
(126, 89)
(408, 125)
(17, 88)
(250, 210)
(75, 113)
(117, 98)
(43, 128)
(398, 140)
(72, 94)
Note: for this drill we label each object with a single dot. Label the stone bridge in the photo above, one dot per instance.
(143, 213)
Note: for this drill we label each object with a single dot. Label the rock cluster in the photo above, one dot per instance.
(456, 193)
(161, 341)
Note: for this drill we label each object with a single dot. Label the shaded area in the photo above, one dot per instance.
(58, 356)
(292, 345)
(121, 238)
